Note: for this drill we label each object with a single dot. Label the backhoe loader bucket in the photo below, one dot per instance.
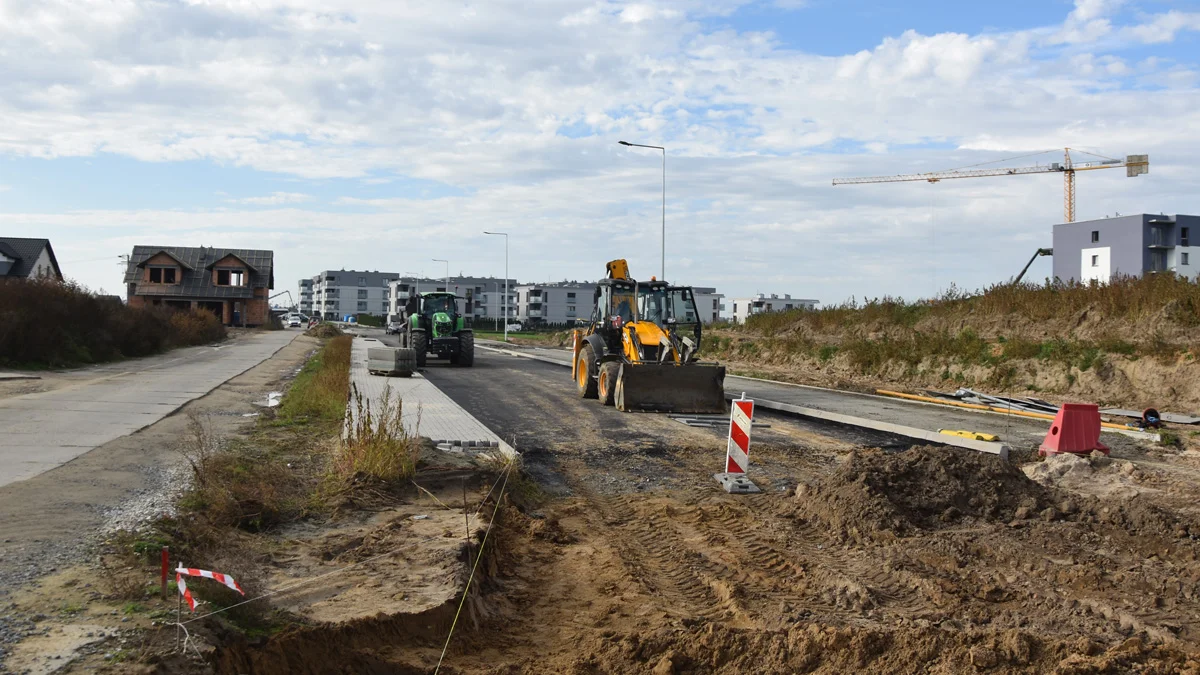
(666, 387)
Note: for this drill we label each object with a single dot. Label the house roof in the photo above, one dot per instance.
(213, 264)
(166, 253)
(195, 261)
(25, 252)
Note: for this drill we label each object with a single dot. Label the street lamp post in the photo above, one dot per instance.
(417, 276)
(504, 310)
(447, 271)
(664, 199)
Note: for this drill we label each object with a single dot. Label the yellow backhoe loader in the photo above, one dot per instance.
(633, 355)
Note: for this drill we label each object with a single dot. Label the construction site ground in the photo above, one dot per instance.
(616, 552)
(851, 560)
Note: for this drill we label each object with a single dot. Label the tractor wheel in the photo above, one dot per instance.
(420, 342)
(466, 349)
(606, 382)
(584, 382)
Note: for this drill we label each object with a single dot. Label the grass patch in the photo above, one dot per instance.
(319, 392)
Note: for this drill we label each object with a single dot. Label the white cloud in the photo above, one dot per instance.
(1164, 27)
(484, 100)
(274, 199)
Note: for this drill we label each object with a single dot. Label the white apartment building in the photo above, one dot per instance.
(708, 303)
(555, 303)
(483, 297)
(743, 308)
(304, 300)
(336, 294)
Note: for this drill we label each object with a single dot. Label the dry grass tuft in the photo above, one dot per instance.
(377, 447)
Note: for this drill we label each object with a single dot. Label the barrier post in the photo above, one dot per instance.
(737, 449)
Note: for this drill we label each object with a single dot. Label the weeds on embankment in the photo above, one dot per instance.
(376, 447)
(1008, 337)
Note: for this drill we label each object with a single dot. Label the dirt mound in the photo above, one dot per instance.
(874, 492)
(323, 331)
(813, 648)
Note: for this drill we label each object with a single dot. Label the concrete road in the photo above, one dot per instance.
(41, 431)
(1016, 432)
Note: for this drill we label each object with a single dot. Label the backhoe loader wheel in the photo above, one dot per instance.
(584, 367)
(420, 343)
(606, 382)
(619, 394)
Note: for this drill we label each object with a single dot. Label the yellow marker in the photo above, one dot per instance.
(977, 435)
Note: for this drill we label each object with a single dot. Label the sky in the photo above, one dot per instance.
(380, 134)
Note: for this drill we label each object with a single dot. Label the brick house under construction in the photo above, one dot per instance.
(234, 284)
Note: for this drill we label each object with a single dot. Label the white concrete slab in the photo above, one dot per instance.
(425, 411)
(44, 430)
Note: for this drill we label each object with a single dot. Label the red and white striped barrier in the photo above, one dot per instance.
(737, 455)
(183, 590)
(193, 572)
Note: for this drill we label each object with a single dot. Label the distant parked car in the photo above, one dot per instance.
(393, 327)
(515, 327)
(293, 321)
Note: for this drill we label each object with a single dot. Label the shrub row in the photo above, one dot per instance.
(47, 323)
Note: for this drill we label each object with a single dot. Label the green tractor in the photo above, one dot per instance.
(435, 327)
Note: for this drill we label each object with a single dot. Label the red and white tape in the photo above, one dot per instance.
(183, 590)
(737, 455)
(193, 572)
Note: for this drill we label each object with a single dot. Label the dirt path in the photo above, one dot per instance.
(47, 522)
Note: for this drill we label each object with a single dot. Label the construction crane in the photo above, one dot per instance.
(1135, 165)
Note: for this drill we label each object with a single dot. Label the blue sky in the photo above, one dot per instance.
(380, 135)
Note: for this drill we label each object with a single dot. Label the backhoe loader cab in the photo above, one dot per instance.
(631, 356)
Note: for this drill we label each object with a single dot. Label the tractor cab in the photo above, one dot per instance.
(436, 327)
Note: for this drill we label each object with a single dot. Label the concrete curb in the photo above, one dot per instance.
(898, 429)
(998, 449)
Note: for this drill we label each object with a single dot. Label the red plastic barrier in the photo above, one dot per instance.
(1076, 429)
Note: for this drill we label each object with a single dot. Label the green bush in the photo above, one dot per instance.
(44, 323)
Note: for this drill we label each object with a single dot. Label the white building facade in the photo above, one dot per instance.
(744, 308)
(709, 303)
(336, 294)
(482, 297)
(555, 303)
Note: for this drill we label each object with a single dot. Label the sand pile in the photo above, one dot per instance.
(324, 330)
(877, 494)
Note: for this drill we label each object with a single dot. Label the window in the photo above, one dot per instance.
(385, 308)
(570, 309)
(162, 275)
(231, 278)
(362, 281)
(570, 296)
(1095, 261)
(1183, 258)
(331, 278)
(1183, 237)
(1095, 236)
(362, 306)
(362, 294)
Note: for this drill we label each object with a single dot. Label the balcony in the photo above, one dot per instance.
(1160, 237)
(534, 314)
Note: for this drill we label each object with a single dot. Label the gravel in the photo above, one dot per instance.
(27, 562)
